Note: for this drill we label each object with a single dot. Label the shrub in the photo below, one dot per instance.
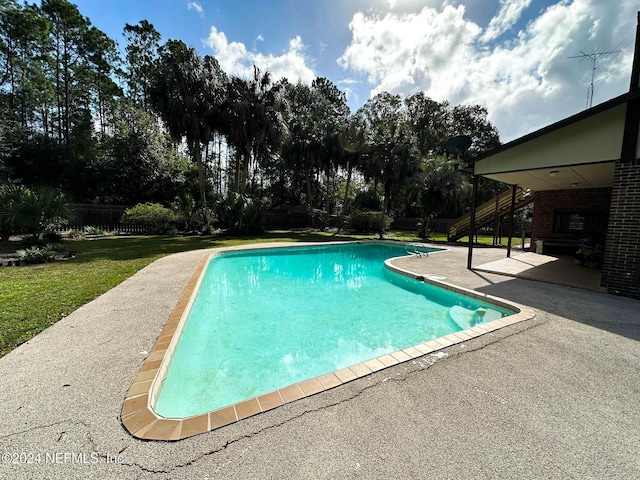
(369, 221)
(32, 210)
(88, 230)
(240, 215)
(153, 217)
(29, 241)
(201, 220)
(55, 247)
(52, 237)
(36, 254)
(320, 218)
(195, 219)
(367, 200)
(47, 240)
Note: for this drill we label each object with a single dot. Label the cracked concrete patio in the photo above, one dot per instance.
(552, 397)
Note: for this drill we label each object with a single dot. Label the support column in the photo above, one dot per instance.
(496, 223)
(472, 223)
(621, 270)
(513, 209)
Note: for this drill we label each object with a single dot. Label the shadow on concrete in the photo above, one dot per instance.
(618, 315)
(557, 269)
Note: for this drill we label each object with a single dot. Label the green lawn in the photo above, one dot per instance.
(34, 297)
(482, 240)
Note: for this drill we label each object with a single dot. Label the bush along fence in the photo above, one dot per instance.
(109, 218)
(103, 217)
(411, 224)
(281, 219)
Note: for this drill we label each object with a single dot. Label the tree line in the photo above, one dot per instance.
(161, 123)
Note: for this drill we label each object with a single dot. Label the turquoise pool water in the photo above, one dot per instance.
(265, 319)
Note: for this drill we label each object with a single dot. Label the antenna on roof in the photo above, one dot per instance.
(593, 56)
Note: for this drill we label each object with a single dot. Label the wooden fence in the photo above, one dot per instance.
(107, 218)
(104, 217)
(277, 219)
(437, 225)
(283, 220)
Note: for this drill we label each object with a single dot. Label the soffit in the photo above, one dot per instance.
(560, 177)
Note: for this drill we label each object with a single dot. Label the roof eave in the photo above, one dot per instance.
(614, 102)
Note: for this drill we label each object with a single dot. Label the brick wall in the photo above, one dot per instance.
(621, 269)
(545, 203)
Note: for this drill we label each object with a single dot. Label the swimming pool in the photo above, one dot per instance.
(266, 319)
(139, 411)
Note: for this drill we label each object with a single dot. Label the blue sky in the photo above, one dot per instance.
(507, 55)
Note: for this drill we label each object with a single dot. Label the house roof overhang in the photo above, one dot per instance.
(577, 152)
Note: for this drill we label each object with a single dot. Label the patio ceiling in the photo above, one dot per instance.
(560, 178)
(577, 152)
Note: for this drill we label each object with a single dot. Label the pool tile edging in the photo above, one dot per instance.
(140, 420)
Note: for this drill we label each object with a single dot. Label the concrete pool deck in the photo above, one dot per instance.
(553, 397)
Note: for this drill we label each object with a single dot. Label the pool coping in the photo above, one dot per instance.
(141, 421)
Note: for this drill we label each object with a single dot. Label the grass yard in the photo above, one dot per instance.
(34, 297)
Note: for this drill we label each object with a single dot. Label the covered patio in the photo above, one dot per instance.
(554, 269)
(584, 172)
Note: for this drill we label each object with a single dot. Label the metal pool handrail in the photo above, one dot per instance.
(415, 249)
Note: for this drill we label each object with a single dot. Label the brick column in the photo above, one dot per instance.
(621, 269)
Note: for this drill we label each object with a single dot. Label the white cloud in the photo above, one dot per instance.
(349, 81)
(195, 6)
(510, 11)
(259, 38)
(348, 86)
(235, 59)
(405, 6)
(400, 53)
(525, 80)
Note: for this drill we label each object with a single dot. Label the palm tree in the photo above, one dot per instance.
(330, 114)
(187, 93)
(299, 150)
(353, 140)
(392, 155)
(437, 187)
(256, 125)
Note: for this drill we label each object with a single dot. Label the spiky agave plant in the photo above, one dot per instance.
(32, 210)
